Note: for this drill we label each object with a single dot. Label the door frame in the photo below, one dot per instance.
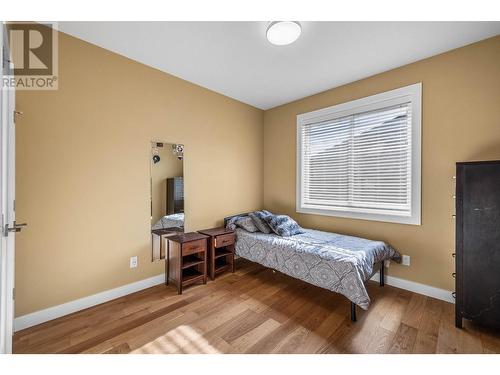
(7, 200)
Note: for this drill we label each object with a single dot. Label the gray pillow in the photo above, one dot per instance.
(231, 224)
(247, 224)
(284, 225)
(259, 219)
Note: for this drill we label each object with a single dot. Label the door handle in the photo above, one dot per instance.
(14, 228)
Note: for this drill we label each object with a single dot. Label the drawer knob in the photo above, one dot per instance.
(454, 294)
(453, 255)
(454, 274)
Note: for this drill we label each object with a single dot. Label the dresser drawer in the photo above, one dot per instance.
(224, 240)
(194, 247)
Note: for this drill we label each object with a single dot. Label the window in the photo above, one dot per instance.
(361, 159)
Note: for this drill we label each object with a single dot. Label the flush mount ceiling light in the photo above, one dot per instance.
(281, 33)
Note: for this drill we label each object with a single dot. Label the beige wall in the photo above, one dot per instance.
(168, 166)
(83, 170)
(461, 112)
(87, 201)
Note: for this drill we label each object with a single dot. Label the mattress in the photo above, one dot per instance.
(332, 261)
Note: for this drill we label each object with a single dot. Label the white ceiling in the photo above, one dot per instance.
(235, 59)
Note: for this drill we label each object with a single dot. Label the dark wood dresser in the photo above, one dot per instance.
(220, 250)
(187, 260)
(478, 243)
(175, 195)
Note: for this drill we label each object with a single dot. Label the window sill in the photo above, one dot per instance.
(409, 220)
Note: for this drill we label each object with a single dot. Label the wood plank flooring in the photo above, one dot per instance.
(256, 310)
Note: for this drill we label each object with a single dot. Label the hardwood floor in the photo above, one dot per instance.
(256, 310)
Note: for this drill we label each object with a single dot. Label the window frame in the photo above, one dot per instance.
(412, 94)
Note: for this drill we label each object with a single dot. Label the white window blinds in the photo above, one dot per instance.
(358, 163)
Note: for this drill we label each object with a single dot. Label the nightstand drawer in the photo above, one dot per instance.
(224, 240)
(194, 247)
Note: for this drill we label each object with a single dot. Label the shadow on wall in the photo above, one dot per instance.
(490, 152)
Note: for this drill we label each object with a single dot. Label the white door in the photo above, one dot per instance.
(7, 203)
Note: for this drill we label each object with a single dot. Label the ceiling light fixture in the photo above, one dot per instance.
(281, 33)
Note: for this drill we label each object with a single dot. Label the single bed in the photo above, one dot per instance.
(170, 221)
(332, 261)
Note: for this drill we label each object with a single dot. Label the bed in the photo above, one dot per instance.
(170, 221)
(332, 261)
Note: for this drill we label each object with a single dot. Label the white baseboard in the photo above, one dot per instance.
(54, 312)
(412, 286)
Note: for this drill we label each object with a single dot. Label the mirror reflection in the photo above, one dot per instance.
(167, 193)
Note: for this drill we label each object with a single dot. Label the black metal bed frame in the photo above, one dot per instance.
(381, 282)
(353, 305)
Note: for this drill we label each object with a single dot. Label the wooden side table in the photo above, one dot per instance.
(220, 250)
(187, 260)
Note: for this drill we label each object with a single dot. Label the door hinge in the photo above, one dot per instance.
(13, 293)
(5, 63)
(17, 113)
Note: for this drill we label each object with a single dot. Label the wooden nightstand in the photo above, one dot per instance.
(187, 260)
(220, 250)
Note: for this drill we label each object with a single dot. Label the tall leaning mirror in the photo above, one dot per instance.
(167, 194)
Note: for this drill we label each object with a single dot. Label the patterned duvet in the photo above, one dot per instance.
(332, 261)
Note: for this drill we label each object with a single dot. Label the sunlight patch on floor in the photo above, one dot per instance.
(183, 339)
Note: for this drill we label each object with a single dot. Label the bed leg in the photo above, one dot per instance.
(382, 269)
(353, 312)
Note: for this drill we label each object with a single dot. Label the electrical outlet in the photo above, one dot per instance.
(133, 262)
(406, 260)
